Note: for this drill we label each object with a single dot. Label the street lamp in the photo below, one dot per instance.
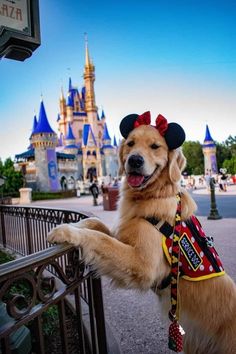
(214, 215)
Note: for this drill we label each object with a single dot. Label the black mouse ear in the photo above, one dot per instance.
(127, 124)
(174, 136)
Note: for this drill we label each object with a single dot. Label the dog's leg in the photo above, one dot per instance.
(128, 266)
(92, 223)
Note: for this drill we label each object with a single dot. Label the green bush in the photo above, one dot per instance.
(5, 257)
(53, 195)
(50, 320)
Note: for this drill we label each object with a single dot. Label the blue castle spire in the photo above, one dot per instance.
(208, 135)
(43, 125)
(103, 115)
(208, 141)
(70, 84)
(70, 101)
(35, 123)
(106, 135)
(115, 142)
(70, 135)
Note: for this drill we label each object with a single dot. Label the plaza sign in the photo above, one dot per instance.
(19, 28)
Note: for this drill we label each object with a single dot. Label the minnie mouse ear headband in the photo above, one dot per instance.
(173, 133)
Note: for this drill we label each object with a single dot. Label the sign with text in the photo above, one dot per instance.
(19, 28)
(14, 15)
(52, 170)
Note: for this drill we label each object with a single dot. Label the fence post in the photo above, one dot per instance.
(28, 232)
(4, 241)
(100, 317)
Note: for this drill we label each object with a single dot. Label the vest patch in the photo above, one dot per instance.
(190, 252)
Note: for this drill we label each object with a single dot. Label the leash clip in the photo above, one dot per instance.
(172, 316)
(210, 241)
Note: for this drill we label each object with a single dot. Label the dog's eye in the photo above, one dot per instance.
(154, 146)
(130, 143)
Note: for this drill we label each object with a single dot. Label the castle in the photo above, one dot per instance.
(82, 148)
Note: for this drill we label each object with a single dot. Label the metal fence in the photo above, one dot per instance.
(47, 280)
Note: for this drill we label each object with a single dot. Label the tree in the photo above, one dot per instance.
(1, 167)
(14, 179)
(231, 144)
(226, 154)
(230, 165)
(222, 154)
(195, 160)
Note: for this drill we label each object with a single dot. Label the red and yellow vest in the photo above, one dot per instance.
(198, 258)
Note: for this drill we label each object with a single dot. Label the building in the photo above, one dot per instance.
(81, 150)
(209, 152)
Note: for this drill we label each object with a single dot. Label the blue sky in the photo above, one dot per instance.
(174, 57)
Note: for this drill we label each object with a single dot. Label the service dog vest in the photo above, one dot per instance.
(198, 258)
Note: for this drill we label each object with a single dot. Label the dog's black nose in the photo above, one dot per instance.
(136, 161)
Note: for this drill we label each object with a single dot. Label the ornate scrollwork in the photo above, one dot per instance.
(75, 268)
(46, 286)
(19, 294)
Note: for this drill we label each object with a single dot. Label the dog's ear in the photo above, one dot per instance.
(177, 162)
(121, 164)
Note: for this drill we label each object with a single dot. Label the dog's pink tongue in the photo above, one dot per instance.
(135, 180)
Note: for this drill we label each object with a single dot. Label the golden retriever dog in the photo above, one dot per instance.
(133, 253)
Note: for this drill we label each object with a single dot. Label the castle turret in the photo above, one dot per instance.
(89, 78)
(44, 140)
(70, 146)
(106, 137)
(69, 107)
(62, 104)
(35, 123)
(209, 152)
(61, 119)
(109, 163)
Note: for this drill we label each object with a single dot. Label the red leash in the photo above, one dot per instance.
(176, 332)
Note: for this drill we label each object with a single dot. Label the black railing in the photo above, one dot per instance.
(47, 278)
(24, 229)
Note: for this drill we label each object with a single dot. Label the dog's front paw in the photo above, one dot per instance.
(59, 234)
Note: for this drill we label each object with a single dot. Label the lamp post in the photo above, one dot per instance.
(214, 215)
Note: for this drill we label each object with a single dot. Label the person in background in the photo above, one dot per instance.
(94, 191)
(223, 179)
(207, 178)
